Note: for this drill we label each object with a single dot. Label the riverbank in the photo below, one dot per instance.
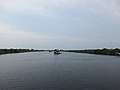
(105, 51)
(10, 51)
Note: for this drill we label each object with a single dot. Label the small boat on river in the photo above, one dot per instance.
(57, 51)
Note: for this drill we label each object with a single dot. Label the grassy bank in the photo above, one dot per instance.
(9, 51)
(105, 51)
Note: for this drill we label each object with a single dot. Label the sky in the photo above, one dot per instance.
(63, 24)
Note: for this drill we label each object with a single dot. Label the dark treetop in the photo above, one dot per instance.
(114, 52)
(9, 51)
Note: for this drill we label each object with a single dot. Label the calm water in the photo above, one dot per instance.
(68, 71)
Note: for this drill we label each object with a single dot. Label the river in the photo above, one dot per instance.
(67, 71)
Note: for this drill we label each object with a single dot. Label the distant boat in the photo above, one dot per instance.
(57, 51)
(117, 53)
(50, 50)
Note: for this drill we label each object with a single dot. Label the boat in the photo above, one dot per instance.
(50, 50)
(117, 54)
(57, 51)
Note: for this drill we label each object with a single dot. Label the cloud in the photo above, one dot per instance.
(49, 7)
(11, 33)
(29, 4)
(111, 8)
(12, 37)
(45, 4)
(59, 18)
(42, 7)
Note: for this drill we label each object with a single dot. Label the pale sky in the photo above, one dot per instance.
(64, 24)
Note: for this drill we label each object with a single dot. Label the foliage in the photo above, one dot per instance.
(8, 51)
(105, 51)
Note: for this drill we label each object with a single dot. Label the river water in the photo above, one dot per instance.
(67, 71)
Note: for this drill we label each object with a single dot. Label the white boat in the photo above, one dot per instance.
(57, 51)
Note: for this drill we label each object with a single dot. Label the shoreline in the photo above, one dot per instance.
(14, 51)
(110, 52)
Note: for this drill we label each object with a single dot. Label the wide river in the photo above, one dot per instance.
(67, 71)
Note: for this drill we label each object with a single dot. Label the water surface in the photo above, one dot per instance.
(67, 71)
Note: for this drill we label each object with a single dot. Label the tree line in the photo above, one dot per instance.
(104, 51)
(8, 51)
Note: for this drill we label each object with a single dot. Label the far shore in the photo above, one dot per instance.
(105, 51)
(12, 51)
